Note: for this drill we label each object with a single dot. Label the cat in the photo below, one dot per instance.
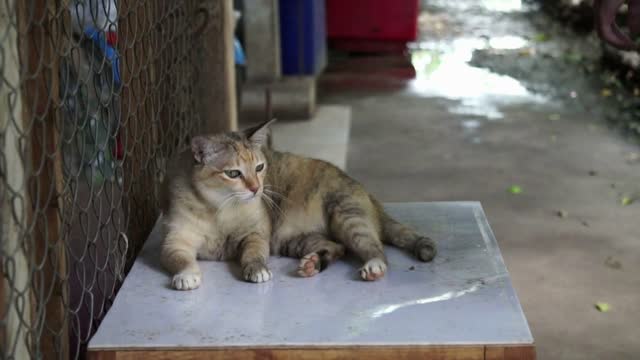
(212, 212)
(235, 197)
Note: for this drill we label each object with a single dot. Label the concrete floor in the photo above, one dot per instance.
(455, 132)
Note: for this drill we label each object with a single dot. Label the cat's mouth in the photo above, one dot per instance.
(249, 196)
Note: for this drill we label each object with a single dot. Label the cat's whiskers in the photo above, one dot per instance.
(275, 193)
(231, 197)
(270, 187)
(268, 201)
(271, 193)
(272, 204)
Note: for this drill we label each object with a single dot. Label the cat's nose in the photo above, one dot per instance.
(254, 189)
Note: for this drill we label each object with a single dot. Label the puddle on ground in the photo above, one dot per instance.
(470, 125)
(470, 130)
(443, 70)
(503, 5)
(490, 5)
(508, 42)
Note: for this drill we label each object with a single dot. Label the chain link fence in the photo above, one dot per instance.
(95, 95)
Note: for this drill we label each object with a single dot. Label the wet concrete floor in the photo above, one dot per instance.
(487, 100)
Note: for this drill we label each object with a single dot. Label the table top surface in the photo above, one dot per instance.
(463, 297)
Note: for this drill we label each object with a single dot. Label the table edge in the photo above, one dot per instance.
(470, 352)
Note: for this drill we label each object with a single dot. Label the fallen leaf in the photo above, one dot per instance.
(562, 213)
(603, 306)
(515, 189)
(554, 117)
(574, 57)
(540, 37)
(636, 92)
(626, 200)
(593, 173)
(584, 223)
(606, 92)
(529, 51)
(412, 268)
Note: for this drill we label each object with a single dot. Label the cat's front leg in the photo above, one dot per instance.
(178, 256)
(254, 252)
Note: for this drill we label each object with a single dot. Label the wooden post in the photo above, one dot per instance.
(40, 37)
(217, 90)
(14, 286)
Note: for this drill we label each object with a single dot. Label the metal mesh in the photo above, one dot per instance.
(95, 95)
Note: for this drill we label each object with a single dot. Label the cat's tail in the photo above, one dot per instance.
(404, 237)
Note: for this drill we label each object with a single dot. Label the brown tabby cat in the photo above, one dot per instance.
(230, 197)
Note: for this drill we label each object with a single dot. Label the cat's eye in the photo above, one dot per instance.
(259, 167)
(232, 173)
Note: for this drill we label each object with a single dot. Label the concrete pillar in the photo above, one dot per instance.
(261, 28)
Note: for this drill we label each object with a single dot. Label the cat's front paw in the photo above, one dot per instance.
(374, 269)
(256, 272)
(186, 280)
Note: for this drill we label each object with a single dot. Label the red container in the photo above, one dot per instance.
(376, 20)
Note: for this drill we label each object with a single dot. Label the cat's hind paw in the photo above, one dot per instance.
(186, 281)
(256, 272)
(309, 265)
(374, 269)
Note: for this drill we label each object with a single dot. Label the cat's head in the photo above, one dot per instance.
(231, 167)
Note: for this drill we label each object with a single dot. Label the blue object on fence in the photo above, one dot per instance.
(238, 52)
(303, 36)
(110, 52)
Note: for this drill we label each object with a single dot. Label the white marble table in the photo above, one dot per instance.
(461, 305)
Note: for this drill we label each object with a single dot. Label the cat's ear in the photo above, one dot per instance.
(259, 135)
(204, 149)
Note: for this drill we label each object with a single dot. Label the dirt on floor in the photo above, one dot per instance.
(493, 98)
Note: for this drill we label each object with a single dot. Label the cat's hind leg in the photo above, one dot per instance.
(315, 251)
(355, 227)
